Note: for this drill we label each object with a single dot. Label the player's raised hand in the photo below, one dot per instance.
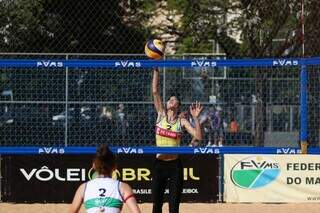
(195, 109)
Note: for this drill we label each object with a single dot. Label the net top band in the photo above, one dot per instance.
(77, 63)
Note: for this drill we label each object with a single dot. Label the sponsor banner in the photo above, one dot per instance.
(55, 178)
(271, 178)
(200, 176)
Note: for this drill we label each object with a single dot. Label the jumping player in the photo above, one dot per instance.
(169, 128)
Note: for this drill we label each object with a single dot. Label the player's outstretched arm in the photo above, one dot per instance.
(155, 91)
(77, 200)
(128, 198)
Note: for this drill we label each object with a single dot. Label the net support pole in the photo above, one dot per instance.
(302, 29)
(304, 109)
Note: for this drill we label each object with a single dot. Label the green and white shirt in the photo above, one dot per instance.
(103, 195)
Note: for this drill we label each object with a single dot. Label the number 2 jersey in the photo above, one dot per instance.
(103, 195)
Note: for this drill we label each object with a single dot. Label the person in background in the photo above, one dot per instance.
(104, 194)
(234, 129)
(106, 126)
(122, 123)
(200, 86)
(216, 133)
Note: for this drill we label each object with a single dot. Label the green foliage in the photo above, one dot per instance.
(70, 26)
(20, 27)
(243, 28)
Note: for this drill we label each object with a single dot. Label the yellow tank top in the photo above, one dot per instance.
(168, 135)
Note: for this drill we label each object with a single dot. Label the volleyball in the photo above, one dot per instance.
(154, 48)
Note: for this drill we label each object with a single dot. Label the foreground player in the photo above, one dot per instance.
(169, 127)
(103, 194)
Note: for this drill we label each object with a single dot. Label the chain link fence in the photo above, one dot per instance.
(78, 106)
(237, 28)
(56, 107)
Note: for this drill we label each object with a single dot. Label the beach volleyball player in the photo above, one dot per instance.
(167, 168)
(104, 194)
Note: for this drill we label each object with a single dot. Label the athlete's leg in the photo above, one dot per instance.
(158, 186)
(175, 186)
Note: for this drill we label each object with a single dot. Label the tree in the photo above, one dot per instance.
(69, 26)
(312, 48)
(21, 29)
(44, 26)
(262, 22)
(266, 29)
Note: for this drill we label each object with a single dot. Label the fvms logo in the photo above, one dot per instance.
(202, 63)
(127, 64)
(255, 172)
(51, 150)
(49, 64)
(129, 150)
(288, 151)
(285, 62)
(206, 150)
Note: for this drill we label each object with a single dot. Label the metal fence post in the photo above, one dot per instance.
(220, 178)
(304, 109)
(66, 106)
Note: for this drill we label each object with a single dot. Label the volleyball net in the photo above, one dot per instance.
(81, 100)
